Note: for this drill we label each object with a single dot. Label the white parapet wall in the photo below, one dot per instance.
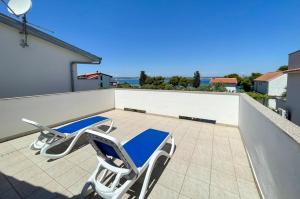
(222, 107)
(273, 146)
(51, 109)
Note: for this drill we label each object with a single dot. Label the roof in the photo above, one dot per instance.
(37, 33)
(294, 70)
(224, 80)
(297, 51)
(94, 75)
(269, 76)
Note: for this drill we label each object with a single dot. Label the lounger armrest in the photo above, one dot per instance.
(42, 127)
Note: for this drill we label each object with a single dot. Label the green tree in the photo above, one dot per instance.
(283, 68)
(174, 80)
(143, 78)
(196, 79)
(253, 76)
(246, 84)
(219, 87)
(184, 82)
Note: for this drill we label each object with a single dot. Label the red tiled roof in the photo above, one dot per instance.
(268, 76)
(224, 80)
(294, 70)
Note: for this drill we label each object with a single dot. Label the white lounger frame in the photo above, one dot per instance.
(130, 172)
(49, 138)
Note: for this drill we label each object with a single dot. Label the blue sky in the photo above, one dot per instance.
(176, 37)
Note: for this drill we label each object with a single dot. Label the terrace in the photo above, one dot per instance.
(249, 153)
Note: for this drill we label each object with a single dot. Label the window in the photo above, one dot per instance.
(101, 77)
(101, 85)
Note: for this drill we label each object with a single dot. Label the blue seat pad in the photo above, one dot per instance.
(75, 126)
(141, 147)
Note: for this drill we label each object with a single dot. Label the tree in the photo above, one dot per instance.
(174, 80)
(246, 84)
(253, 76)
(219, 87)
(283, 68)
(196, 79)
(234, 75)
(143, 78)
(184, 82)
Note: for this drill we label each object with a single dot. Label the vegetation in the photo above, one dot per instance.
(258, 96)
(283, 68)
(196, 79)
(219, 87)
(143, 78)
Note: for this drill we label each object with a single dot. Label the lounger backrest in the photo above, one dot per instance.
(42, 127)
(106, 145)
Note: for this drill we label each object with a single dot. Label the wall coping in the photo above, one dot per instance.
(291, 129)
(179, 91)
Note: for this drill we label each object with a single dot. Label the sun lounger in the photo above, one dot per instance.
(137, 154)
(50, 137)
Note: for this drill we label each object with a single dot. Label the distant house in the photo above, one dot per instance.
(90, 81)
(293, 87)
(271, 84)
(229, 83)
(47, 65)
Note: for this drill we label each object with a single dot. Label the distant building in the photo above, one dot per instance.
(96, 80)
(229, 83)
(47, 65)
(293, 87)
(271, 84)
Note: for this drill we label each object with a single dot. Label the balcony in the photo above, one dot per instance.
(233, 148)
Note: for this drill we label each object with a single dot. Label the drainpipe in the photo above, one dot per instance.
(72, 70)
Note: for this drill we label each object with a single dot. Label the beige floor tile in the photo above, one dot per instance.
(223, 166)
(162, 192)
(195, 189)
(183, 197)
(76, 188)
(224, 181)
(171, 180)
(217, 193)
(59, 169)
(177, 165)
(244, 172)
(199, 173)
(71, 177)
(248, 190)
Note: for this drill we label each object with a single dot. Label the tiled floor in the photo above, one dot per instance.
(209, 162)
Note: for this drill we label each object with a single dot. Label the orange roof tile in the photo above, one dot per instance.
(269, 76)
(224, 80)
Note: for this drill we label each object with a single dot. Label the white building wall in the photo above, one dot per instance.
(221, 107)
(273, 152)
(277, 86)
(38, 69)
(51, 109)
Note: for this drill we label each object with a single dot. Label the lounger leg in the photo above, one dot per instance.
(56, 156)
(152, 164)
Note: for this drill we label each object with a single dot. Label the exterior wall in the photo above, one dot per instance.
(272, 143)
(51, 109)
(214, 106)
(230, 87)
(40, 68)
(86, 84)
(294, 60)
(277, 86)
(261, 87)
(293, 97)
(105, 81)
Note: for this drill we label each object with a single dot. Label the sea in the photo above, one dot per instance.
(134, 81)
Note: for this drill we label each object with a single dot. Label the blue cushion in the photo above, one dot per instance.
(75, 126)
(107, 149)
(141, 147)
